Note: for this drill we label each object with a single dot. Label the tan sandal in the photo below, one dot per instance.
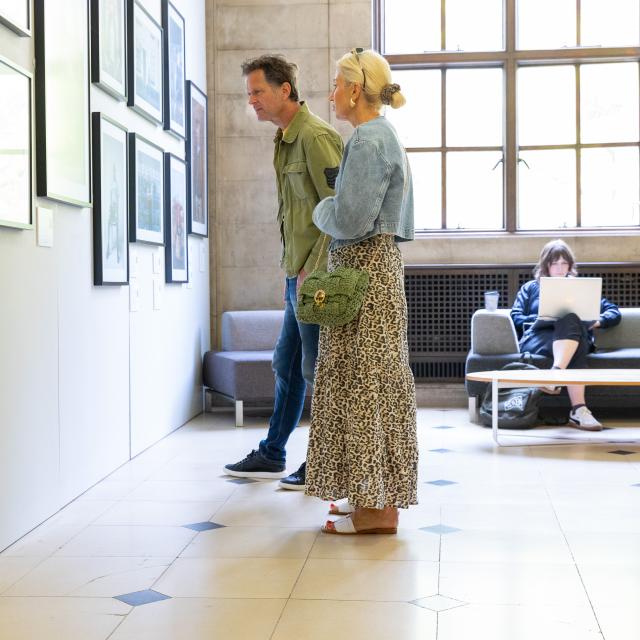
(345, 527)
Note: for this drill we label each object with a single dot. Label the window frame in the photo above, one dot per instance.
(510, 59)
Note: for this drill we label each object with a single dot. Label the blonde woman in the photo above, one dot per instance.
(362, 445)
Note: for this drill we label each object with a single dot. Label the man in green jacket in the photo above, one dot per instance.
(306, 160)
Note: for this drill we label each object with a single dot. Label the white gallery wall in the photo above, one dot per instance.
(85, 383)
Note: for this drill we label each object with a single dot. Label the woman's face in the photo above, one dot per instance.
(340, 97)
(559, 268)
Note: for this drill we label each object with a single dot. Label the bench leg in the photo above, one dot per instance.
(474, 418)
(239, 414)
(208, 400)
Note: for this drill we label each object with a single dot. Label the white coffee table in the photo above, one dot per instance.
(554, 377)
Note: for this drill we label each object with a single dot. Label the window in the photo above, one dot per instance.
(521, 114)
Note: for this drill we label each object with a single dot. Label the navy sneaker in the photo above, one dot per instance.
(255, 465)
(296, 481)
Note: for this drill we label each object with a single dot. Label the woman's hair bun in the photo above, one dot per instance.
(386, 95)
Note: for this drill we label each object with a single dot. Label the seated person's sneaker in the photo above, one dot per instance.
(255, 465)
(583, 419)
(296, 481)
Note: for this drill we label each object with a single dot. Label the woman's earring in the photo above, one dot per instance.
(352, 103)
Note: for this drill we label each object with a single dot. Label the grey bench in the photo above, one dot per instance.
(241, 371)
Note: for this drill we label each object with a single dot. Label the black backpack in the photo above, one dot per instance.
(517, 407)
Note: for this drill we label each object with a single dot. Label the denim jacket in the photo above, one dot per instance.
(374, 189)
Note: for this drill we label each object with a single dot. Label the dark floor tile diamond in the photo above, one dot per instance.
(137, 598)
(440, 529)
(440, 483)
(444, 426)
(441, 450)
(622, 452)
(241, 480)
(203, 526)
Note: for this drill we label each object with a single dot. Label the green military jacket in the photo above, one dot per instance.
(306, 159)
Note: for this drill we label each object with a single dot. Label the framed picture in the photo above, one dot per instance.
(16, 157)
(62, 101)
(175, 205)
(196, 152)
(109, 46)
(146, 189)
(144, 62)
(16, 14)
(174, 65)
(110, 206)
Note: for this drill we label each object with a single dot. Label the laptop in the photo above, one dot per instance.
(559, 296)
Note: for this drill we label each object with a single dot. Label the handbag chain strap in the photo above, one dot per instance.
(324, 242)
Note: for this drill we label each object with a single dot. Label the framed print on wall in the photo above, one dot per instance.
(146, 191)
(16, 158)
(174, 65)
(62, 101)
(109, 46)
(16, 14)
(144, 62)
(110, 205)
(196, 152)
(176, 244)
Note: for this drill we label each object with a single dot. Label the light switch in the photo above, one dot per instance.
(134, 296)
(157, 260)
(191, 272)
(44, 227)
(203, 257)
(133, 264)
(157, 294)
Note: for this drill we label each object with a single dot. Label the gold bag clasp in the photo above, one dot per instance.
(319, 297)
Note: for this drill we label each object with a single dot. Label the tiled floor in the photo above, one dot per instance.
(506, 544)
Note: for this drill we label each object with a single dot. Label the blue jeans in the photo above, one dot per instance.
(294, 362)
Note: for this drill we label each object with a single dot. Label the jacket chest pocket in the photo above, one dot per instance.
(297, 177)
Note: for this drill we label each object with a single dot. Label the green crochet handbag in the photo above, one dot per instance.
(331, 298)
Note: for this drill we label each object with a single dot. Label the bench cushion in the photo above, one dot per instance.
(243, 375)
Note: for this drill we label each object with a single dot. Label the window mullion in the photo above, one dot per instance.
(443, 134)
(510, 148)
(510, 132)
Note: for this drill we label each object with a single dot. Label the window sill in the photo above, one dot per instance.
(543, 233)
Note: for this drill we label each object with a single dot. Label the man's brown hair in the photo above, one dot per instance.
(277, 71)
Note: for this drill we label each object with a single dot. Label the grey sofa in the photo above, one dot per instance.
(494, 343)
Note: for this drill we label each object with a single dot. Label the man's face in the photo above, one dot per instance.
(267, 101)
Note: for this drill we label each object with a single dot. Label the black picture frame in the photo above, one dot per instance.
(111, 202)
(19, 21)
(144, 63)
(176, 251)
(197, 160)
(146, 191)
(62, 88)
(173, 26)
(109, 46)
(16, 150)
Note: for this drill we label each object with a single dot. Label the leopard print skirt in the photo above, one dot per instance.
(363, 441)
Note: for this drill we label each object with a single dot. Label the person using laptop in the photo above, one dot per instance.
(567, 340)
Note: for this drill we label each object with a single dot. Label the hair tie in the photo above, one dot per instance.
(386, 95)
